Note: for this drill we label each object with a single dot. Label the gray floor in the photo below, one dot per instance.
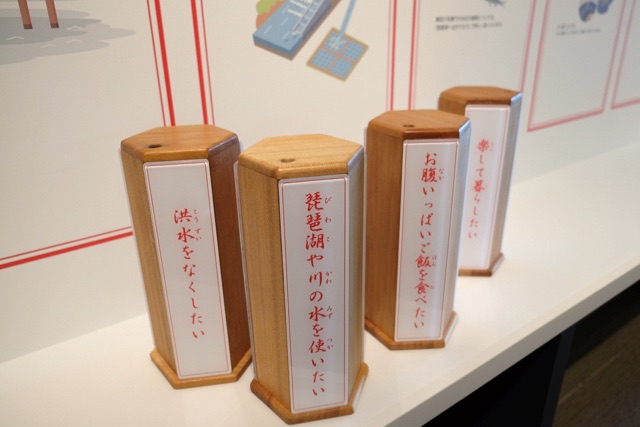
(601, 386)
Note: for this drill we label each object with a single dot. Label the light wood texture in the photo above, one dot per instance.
(259, 170)
(540, 290)
(299, 156)
(283, 411)
(483, 273)
(385, 137)
(179, 383)
(221, 148)
(456, 100)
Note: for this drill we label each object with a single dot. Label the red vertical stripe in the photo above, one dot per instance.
(196, 36)
(393, 5)
(206, 57)
(412, 60)
(155, 60)
(165, 63)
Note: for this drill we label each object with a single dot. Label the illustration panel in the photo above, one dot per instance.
(575, 60)
(627, 87)
(441, 42)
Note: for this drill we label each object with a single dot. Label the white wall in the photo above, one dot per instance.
(68, 96)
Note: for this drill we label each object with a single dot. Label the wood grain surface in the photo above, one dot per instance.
(456, 100)
(221, 148)
(260, 168)
(386, 135)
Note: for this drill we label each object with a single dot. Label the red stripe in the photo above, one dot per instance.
(392, 52)
(616, 104)
(206, 55)
(155, 60)
(165, 63)
(63, 250)
(412, 61)
(532, 108)
(613, 55)
(527, 45)
(196, 36)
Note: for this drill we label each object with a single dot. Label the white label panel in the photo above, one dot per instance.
(181, 205)
(486, 157)
(428, 185)
(314, 220)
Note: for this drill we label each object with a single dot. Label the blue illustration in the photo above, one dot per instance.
(588, 8)
(287, 28)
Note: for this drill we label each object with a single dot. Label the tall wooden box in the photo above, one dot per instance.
(302, 205)
(494, 114)
(180, 182)
(416, 168)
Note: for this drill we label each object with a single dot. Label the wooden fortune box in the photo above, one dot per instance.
(181, 187)
(416, 168)
(302, 205)
(494, 115)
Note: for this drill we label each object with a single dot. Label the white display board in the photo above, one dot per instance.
(314, 216)
(115, 69)
(426, 226)
(627, 85)
(486, 158)
(463, 32)
(563, 90)
(181, 205)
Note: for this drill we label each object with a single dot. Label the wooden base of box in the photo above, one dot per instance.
(179, 383)
(283, 412)
(392, 344)
(486, 273)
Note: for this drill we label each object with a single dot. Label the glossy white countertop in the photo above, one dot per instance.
(572, 242)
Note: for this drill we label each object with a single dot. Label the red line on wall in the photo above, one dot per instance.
(165, 63)
(615, 104)
(527, 45)
(413, 59)
(393, 7)
(76, 244)
(531, 126)
(532, 109)
(206, 53)
(613, 55)
(196, 36)
(155, 60)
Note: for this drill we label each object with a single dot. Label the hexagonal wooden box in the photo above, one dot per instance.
(302, 207)
(494, 114)
(416, 167)
(181, 188)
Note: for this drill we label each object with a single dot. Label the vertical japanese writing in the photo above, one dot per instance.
(320, 314)
(429, 174)
(478, 186)
(315, 234)
(187, 249)
(484, 176)
(188, 234)
(426, 259)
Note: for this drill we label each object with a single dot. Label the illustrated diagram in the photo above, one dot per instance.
(284, 26)
(338, 53)
(588, 8)
(26, 16)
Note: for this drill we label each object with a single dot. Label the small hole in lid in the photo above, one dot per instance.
(154, 146)
(288, 160)
(408, 126)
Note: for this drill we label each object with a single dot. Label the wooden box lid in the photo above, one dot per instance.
(457, 98)
(418, 124)
(306, 155)
(177, 143)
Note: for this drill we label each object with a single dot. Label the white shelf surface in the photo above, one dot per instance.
(572, 242)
